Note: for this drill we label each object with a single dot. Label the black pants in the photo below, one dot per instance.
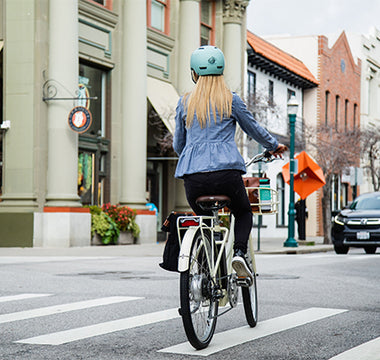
(225, 182)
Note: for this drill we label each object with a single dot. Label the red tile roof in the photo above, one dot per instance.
(274, 54)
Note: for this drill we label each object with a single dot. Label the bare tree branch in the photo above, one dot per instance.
(334, 152)
(371, 155)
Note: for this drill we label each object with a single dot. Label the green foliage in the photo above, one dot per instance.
(107, 221)
(104, 226)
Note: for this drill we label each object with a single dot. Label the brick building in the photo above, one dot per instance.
(335, 103)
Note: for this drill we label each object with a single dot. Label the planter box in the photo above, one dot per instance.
(125, 238)
(96, 240)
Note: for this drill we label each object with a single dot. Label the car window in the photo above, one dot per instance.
(366, 203)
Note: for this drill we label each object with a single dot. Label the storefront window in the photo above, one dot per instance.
(93, 159)
(85, 177)
(92, 84)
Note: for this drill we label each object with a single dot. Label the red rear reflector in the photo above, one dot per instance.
(189, 222)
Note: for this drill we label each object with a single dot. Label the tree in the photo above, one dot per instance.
(334, 152)
(371, 155)
(267, 113)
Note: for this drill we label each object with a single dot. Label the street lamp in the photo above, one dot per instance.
(292, 114)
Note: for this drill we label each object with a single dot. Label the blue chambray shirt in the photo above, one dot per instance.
(213, 148)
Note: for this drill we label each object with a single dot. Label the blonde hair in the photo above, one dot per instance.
(210, 94)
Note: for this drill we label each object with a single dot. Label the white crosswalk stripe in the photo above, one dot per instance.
(230, 338)
(58, 309)
(367, 351)
(63, 337)
(221, 341)
(21, 297)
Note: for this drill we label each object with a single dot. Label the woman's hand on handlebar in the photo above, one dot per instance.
(281, 148)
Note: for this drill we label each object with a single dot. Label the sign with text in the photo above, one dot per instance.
(80, 119)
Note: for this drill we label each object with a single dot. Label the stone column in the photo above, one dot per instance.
(188, 41)
(62, 172)
(233, 45)
(63, 222)
(19, 190)
(134, 92)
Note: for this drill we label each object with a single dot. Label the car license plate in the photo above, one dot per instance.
(362, 235)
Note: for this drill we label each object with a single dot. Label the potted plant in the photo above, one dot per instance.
(104, 230)
(125, 219)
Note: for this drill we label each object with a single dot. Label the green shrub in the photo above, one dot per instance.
(103, 225)
(107, 221)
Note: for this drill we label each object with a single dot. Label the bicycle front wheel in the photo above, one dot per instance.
(250, 293)
(199, 307)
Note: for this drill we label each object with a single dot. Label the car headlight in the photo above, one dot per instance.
(339, 219)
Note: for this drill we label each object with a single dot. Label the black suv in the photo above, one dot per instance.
(358, 225)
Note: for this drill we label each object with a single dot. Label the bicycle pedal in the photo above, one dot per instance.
(243, 281)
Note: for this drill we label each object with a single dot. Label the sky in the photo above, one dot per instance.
(312, 17)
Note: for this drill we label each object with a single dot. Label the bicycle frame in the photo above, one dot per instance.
(226, 244)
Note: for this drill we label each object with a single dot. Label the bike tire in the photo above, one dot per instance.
(198, 308)
(250, 296)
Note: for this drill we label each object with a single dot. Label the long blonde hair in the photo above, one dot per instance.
(209, 94)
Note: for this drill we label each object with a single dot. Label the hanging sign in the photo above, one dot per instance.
(80, 119)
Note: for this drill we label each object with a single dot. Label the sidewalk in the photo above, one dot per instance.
(267, 246)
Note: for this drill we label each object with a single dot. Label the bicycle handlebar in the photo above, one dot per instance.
(265, 156)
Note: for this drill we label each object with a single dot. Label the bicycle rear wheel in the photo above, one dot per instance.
(250, 294)
(198, 306)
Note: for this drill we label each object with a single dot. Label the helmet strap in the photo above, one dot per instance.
(194, 76)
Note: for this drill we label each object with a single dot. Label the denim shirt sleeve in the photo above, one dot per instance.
(179, 138)
(250, 126)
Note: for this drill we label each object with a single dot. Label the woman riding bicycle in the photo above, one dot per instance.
(209, 160)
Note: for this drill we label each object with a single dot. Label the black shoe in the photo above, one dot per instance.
(239, 264)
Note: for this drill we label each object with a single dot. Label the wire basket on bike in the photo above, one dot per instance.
(262, 198)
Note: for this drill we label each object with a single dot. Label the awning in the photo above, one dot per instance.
(164, 98)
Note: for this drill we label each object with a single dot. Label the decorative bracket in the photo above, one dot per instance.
(50, 90)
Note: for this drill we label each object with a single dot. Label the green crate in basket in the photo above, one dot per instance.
(265, 195)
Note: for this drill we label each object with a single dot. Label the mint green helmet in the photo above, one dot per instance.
(207, 60)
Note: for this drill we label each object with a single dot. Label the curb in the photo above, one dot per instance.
(299, 250)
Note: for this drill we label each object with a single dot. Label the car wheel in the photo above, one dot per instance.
(341, 249)
(370, 249)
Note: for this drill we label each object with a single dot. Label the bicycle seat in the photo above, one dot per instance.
(213, 202)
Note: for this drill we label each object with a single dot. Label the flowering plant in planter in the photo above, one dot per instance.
(104, 226)
(124, 217)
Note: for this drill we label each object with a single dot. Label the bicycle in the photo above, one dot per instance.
(207, 280)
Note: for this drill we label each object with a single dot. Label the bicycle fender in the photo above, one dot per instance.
(184, 254)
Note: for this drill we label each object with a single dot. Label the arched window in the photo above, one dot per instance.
(355, 115)
(336, 112)
(346, 115)
(327, 98)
